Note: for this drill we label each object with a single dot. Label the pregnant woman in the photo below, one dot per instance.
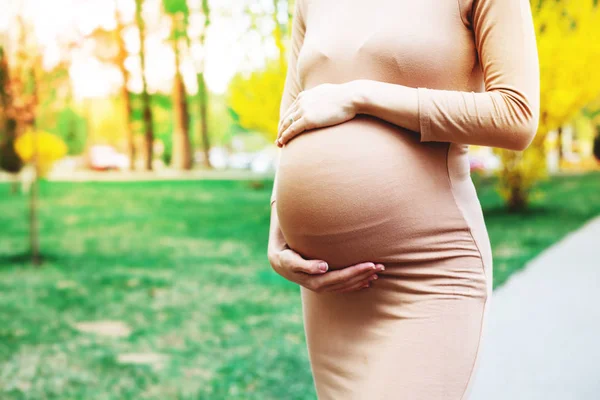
(381, 100)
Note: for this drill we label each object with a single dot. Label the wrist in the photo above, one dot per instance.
(272, 256)
(274, 249)
(358, 99)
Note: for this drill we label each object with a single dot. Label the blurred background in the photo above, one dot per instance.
(136, 165)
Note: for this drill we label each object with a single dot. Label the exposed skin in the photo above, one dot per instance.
(307, 273)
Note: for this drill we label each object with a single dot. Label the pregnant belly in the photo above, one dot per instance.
(363, 190)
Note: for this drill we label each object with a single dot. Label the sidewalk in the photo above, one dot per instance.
(542, 341)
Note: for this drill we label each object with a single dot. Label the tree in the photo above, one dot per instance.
(128, 108)
(202, 96)
(182, 152)
(563, 31)
(41, 147)
(57, 111)
(256, 97)
(9, 160)
(23, 87)
(146, 107)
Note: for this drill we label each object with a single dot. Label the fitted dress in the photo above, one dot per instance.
(369, 190)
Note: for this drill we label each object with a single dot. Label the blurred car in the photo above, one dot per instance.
(484, 162)
(264, 161)
(476, 165)
(104, 158)
(218, 156)
(260, 161)
(240, 160)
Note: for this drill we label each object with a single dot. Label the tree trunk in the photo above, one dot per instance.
(128, 108)
(518, 200)
(9, 159)
(34, 193)
(182, 153)
(33, 207)
(596, 148)
(202, 105)
(128, 127)
(146, 109)
(203, 91)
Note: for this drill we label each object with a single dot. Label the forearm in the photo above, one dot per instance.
(501, 118)
(394, 103)
(276, 239)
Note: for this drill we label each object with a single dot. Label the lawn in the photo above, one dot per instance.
(163, 290)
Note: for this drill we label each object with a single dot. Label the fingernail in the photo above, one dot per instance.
(372, 266)
(323, 266)
(374, 277)
(381, 268)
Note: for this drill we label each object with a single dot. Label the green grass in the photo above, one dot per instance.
(184, 265)
(561, 205)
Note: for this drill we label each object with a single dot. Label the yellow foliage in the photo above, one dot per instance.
(518, 174)
(48, 147)
(256, 98)
(567, 54)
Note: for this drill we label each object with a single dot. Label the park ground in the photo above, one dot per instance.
(162, 290)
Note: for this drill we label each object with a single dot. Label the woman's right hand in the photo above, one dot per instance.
(314, 274)
(308, 273)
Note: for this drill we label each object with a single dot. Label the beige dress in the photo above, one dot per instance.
(369, 190)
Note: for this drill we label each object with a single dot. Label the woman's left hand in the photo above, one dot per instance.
(324, 105)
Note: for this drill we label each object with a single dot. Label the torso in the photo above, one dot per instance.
(342, 188)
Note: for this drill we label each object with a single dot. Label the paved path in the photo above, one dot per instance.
(543, 337)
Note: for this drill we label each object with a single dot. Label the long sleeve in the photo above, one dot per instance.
(506, 115)
(292, 85)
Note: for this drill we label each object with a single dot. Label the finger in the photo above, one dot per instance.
(283, 122)
(356, 287)
(292, 107)
(344, 274)
(287, 123)
(292, 131)
(343, 286)
(297, 263)
(362, 278)
(285, 119)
